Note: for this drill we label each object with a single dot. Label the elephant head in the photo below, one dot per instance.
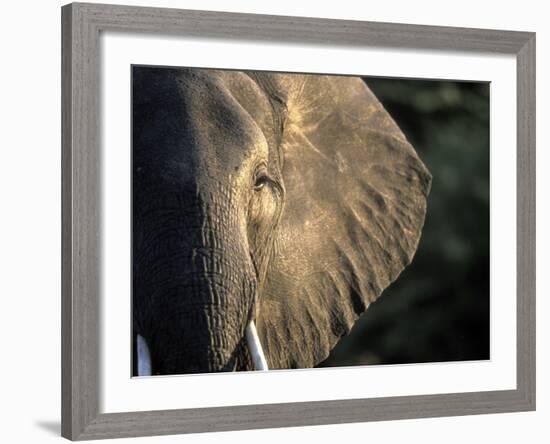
(286, 199)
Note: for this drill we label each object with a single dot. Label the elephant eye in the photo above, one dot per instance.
(260, 182)
(260, 178)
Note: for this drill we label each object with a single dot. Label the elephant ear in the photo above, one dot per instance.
(355, 201)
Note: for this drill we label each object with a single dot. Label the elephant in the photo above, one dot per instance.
(269, 210)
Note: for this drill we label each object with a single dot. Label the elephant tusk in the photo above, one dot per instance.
(255, 347)
(143, 357)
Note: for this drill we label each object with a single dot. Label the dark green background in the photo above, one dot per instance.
(438, 309)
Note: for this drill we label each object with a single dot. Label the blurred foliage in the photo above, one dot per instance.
(438, 308)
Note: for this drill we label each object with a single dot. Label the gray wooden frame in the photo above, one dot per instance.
(81, 26)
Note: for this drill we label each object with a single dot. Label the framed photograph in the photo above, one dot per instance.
(278, 221)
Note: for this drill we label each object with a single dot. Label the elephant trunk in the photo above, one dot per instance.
(194, 286)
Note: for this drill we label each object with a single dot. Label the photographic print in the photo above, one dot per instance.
(293, 221)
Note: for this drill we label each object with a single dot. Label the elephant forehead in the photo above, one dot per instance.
(188, 123)
(222, 133)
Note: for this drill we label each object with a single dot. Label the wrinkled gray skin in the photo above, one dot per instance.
(291, 200)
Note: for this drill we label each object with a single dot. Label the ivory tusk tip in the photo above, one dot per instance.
(144, 366)
(255, 347)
